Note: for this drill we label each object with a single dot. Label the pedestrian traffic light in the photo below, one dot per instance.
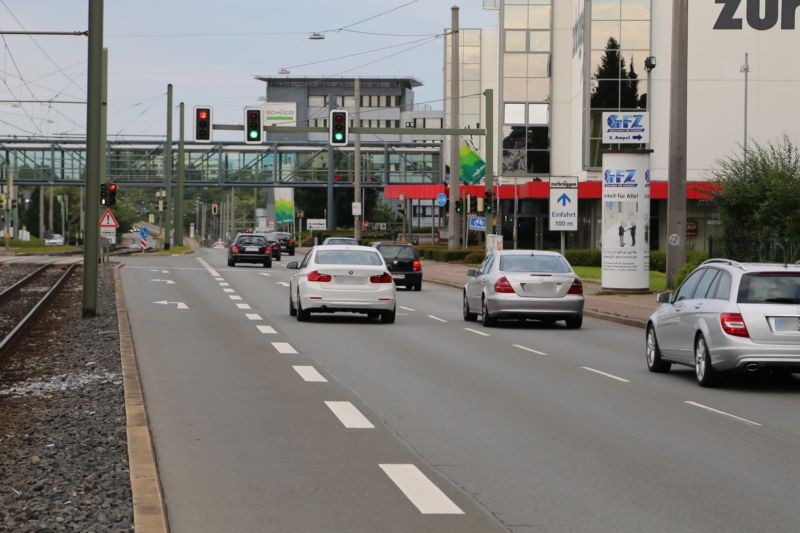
(253, 126)
(202, 124)
(214, 209)
(459, 206)
(338, 127)
(488, 202)
(112, 194)
(104, 194)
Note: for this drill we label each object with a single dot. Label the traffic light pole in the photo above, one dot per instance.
(168, 173)
(331, 212)
(489, 151)
(453, 232)
(93, 157)
(181, 180)
(357, 156)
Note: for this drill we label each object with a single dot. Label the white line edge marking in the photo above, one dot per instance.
(267, 330)
(243, 306)
(349, 415)
(208, 267)
(420, 490)
(253, 316)
(310, 374)
(283, 347)
(477, 332)
(717, 411)
(537, 352)
(405, 308)
(437, 318)
(606, 374)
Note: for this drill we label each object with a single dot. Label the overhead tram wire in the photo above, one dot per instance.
(24, 82)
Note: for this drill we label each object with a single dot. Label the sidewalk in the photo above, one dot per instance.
(629, 309)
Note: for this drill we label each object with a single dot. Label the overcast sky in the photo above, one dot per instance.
(210, 51)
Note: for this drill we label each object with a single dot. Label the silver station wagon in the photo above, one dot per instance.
(726, 316)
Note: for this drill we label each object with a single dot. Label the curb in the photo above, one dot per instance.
(149, 509)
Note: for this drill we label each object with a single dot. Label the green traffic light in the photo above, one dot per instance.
(338, 136)
(253, 134)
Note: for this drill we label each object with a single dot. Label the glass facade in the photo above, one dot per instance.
(470, 81)
(620, 42)
(525, 72)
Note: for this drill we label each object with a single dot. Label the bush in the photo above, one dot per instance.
(590, 258)
(658, 261)
(475, 257)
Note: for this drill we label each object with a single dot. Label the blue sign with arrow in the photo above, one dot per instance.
(144, 232)
(564, 204)
(564, 200)
(441, 199)
(477, 223)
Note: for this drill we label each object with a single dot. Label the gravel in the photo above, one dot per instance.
(63, 447)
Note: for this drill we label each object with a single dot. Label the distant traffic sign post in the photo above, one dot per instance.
(563, 206)
(108, 226)
(477, 223)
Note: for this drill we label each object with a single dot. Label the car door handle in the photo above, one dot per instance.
(698, 306)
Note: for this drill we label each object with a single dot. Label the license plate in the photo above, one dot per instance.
(251, 248)
(399, 276)
(785, 324)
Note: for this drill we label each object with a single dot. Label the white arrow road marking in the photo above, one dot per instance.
(475, 331)
(420, 490)
(283, 347)
(167, 281)
(253, 316)
(537, 352)
(243, 306)
(181, 305)
(717, 411)
(310, 374)
(349, 415)
(605, 374)
(282, 283)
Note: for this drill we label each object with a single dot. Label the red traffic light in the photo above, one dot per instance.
(202, 114)
(112, 186)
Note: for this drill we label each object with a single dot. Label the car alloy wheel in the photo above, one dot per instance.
(653, 353)
(292, 309)
(486, 319)
(706, 375)
(468, 316)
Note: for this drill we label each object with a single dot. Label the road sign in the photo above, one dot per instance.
(144, 232)
(477, 223)
(143, 244)
(564, 204)
(441, 199)
(356, 209)
(108, 220)
(626, 128)
(109, 233)
(316, 224)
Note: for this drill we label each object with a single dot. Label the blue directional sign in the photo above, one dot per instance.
(441, 199)
(564, 204)
(144, 232)
(626, 128)
(564, 199)
(477, 223)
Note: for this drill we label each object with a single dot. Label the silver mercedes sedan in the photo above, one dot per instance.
(524, 284)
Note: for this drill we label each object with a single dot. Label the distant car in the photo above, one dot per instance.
(250, 248)
(403, 262)
(220, 244)
(55, 240)
(340, 240)
(287, 242)
(272, 238)
(524, 284)
(728, 315)
(340, 278)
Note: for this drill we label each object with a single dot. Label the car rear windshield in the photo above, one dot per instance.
(534, 263)
(391, 252)
(341, 241)
(770, 288)
(347, 257)
(251, 240)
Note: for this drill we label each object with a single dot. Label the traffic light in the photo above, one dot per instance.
(473, 204)
(214, 209)
(112, 194)
(338, 127)
(202, 124)
(104, 194)
(488, 202)
(459, 206)
(253, 126)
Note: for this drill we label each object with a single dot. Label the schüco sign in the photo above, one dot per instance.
(774, 11)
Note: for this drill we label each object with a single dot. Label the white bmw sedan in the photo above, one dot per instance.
(342, 278)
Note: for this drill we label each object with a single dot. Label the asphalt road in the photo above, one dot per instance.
(519, 427)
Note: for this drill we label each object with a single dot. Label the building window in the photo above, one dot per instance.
(620, 41)
(349, 101)
(316, 101)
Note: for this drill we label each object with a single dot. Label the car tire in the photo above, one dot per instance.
(653, 353)
(468, 316)
(486, 319)
(292, 308)
(267, 264)
(302, 314)
(418, 286)
(387, 317)
(230, 262)
(704, 372)
(291, 253)
(575, 322)
(373, 314)
(278, 258)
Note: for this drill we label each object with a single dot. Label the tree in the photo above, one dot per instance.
(610, 92)
(757, 199)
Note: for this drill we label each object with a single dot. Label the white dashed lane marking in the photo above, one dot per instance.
(723, 413)
(310, 374)
(420, 490)
(224, 284)
(349, 415)
(234, 297)
(282, 283)
(253, 316)
(229, 290)
(283, 347)
(243, 306)
(406, 308)
(475, 331)
(437, 318)
(267, 330)
(605, 374)
(266, 274)
(208, 267)
(537, 352)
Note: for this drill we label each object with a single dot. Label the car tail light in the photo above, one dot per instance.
(417, 266)
(291, 242)
(383, 278)
(577, 287)
(235, 249)
(321, 278)
(503, 286)
(733, 324)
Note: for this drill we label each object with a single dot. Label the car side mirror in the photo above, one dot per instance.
(472, 273)
(293, 265)
(664, 297)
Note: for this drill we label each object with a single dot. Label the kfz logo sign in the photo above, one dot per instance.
(620, 178)
(627, 123)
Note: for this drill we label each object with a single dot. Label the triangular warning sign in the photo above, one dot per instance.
(108, 220)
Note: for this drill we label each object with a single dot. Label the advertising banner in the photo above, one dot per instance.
(626, 221)
(473, 167)
(280, 114)
(284, 206)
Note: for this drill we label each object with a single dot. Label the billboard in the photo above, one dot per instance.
(280, 114)
(284, 206)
